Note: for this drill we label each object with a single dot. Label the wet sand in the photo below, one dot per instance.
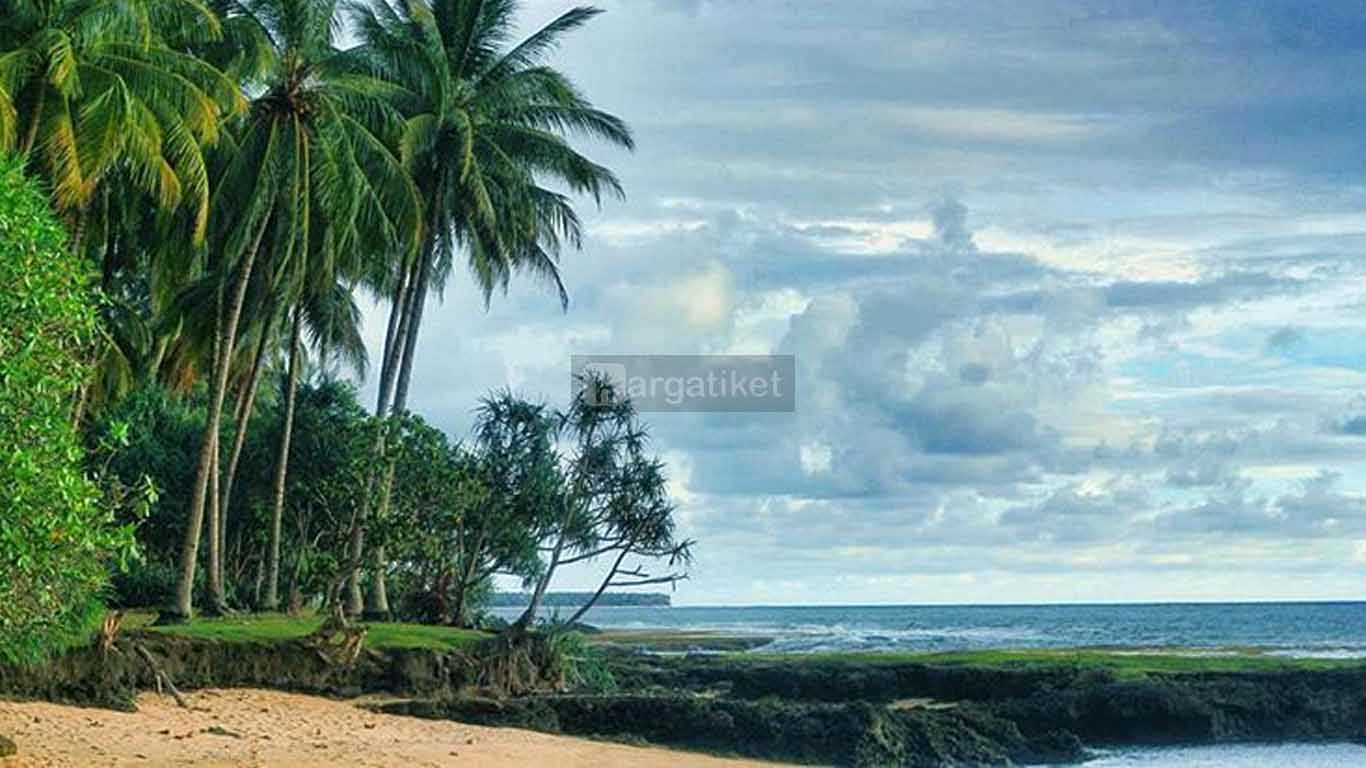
(266, 728)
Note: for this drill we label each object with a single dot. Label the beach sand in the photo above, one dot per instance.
(266, 728)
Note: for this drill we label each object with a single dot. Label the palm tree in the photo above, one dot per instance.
(311, 148)
(107, 104)
(324, 305)
(91, 89)
(487, 125)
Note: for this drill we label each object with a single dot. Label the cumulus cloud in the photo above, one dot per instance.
(1085, 299)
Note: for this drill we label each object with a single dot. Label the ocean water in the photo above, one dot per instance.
(1238, 756)
(1306, 630)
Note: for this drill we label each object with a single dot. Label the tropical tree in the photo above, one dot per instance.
(517, 468)
(330, 452)
(310, 171)
(487, 130)
(475, 510)
(613, 502)
(327, 311)
(91, 90)
(55, 536)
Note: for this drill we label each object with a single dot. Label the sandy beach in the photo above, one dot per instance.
(265, 728)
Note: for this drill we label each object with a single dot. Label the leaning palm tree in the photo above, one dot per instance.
(487, 125)
(324, 307)
(91, 89)
(312, 145)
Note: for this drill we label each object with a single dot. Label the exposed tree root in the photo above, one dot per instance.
(163, 680)
(109, 643)
(338, 641)
(518, 663)
(109, 630)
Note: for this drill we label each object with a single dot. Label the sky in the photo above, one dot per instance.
(1075, 292)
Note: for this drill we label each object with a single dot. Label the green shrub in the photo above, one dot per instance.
(581, 666)
(55, 538)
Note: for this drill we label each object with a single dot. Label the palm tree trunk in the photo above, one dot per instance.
(215, 565)
(529, 615)
(38, 106)
(394, 340)
(217, 601)
(189, 547)
(239, 439)
(466, 580)
(379, 603)
(78, 224)
(418, 302)
(272, 601)
(391, 339)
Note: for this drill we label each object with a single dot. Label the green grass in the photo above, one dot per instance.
(275, 627)
(1127, 663)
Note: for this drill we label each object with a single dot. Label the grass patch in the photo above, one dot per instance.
(1122, 663)
(277, 627)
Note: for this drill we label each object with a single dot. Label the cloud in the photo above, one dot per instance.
(1284, 339)
(1076, 514)
(1082, 300)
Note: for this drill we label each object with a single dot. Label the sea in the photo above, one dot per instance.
(1237, 756)
(1301, 630)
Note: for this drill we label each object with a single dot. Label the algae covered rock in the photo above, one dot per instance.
(7, 747)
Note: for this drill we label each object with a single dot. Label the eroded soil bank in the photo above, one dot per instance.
(92, 677)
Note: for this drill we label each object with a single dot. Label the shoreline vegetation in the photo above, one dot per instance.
(721, 694)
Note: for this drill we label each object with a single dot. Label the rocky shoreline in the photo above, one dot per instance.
(814, 710)
(844, 712)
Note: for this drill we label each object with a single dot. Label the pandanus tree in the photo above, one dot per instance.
(487, 139)
(311, 148)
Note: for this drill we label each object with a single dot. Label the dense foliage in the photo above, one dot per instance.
(232, 177)
(54, 534)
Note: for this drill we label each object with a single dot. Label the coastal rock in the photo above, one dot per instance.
(1303, 705)
(7, 747)
(854, 734)
(842, 679)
